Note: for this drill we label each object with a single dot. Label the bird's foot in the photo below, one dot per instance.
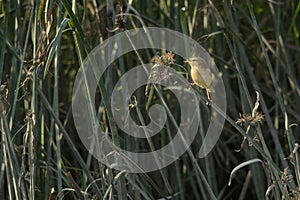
(208, 95)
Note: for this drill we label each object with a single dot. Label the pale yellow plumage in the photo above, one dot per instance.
(200, 73)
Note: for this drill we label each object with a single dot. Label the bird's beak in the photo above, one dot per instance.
(187, 60)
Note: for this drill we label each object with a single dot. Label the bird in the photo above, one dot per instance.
(201, 73)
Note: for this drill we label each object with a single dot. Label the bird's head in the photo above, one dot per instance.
(196, 61)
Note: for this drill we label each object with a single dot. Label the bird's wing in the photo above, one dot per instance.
(205, 72)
